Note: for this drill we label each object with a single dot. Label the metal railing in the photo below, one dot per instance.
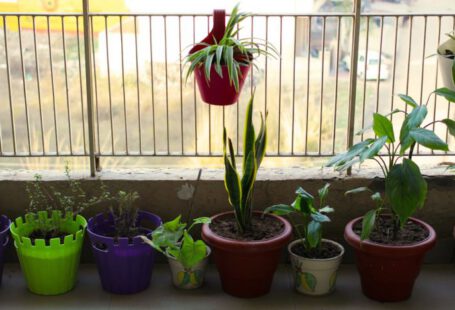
(334, 71)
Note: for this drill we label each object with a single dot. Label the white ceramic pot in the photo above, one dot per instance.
(188, 278)
(315, 276)
(445, 64)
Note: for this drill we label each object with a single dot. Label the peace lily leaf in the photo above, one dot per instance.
(446, 93)
(406, 189)
(323, 192)
(306, 201)
(428, 139)
(450, 125)
(345, 160)
(314, 234)
(368, 224)
(326, 209)
(408, 100)
(280, 209)
(358, 190)
(382, 126)
(413, 120)
(374, 148)
(319, 217)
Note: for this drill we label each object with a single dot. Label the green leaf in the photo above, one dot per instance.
(358, 190)
(453, 68)
(248, 134)
(319, 217)
(406, 189)
(450, 125)
(326, 209)
(202, 220)
(374, 149)
(382, 126)
(174, 225)
(323, 192)
(208, 66)
(428, 139)
(368, 221)
(261, 142)
(446, 93)
(280, 209)
(192, 252)
(346, 160)
(408, 100)
(219, 55)
(377, 197)
(412, 120)
(304, 201)
(314, 234)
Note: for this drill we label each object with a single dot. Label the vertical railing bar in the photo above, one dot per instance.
(38, 86)
(266, 63)
(194, 93)
(448, 103)
(88, 80)
(8, 80)
(237, 106)
(411, 20)
(80, 84)
(152, 86)
(51, 64)
(23, 84)
(167, 89)
(324, 20)
(436, 80)
(70, 132)
(336, 84)
(108, 66)
(139, 118)
(365, 74)
(308, 85)
(293, 86)
(353, 74)
(125, 112)
(423, 56)
(181, 82)
(279, 84)
(380, 63)
(210, 106)
(95, 84)
(252, 69)
(392, 100)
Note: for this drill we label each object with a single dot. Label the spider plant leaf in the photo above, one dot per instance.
(219, 55)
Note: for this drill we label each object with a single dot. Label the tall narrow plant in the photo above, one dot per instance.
(240, 188)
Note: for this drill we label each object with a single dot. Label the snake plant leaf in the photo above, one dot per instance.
(368, 221)
(358, 190)
(261, 142)
(248, 134)
(382, 126)
(248, 178)
(412, 120)
(450, 125)
(428, 139)
(406, 189)
(408, 100)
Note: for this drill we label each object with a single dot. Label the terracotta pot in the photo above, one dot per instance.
(313, 276)
(219, 90)
(388, 273)
(246, 268)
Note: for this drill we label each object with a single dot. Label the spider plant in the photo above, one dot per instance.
(230, 51)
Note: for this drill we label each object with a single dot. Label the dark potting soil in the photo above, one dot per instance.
(325, 250)
(411, 232)
(48, 235)
(263, 228)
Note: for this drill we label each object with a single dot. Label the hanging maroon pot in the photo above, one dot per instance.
(218, 90)
(387, 272)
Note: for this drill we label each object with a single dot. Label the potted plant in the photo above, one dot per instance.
(4, 238)
(446, 55)
(187, 257)
(389, 243)
(246, 245)
(124, 261)
(49, 238)
(315, 260)
(222, 61)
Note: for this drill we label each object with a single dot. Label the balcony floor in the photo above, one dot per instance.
(434, 290)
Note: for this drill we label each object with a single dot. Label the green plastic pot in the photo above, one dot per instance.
(49, 269)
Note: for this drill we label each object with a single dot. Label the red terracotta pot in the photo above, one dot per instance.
(388, 273)
(219, 90)
(246, 268)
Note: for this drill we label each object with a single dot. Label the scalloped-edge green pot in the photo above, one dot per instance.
(49, 269)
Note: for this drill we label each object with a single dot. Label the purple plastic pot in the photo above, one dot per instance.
(4, 238)
(125, 266)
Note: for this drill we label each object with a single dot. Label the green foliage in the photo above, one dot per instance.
(240, 189)
(124, 213)
(173, 238)
(229, 51)
(70, 202)
(311, 218)
(405, 187)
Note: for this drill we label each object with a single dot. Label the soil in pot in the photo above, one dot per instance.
(48, 235)
(326, 250)
(411, 232)
(262, 228)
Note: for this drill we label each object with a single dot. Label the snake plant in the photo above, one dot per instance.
(240, 188)
(230, 51)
